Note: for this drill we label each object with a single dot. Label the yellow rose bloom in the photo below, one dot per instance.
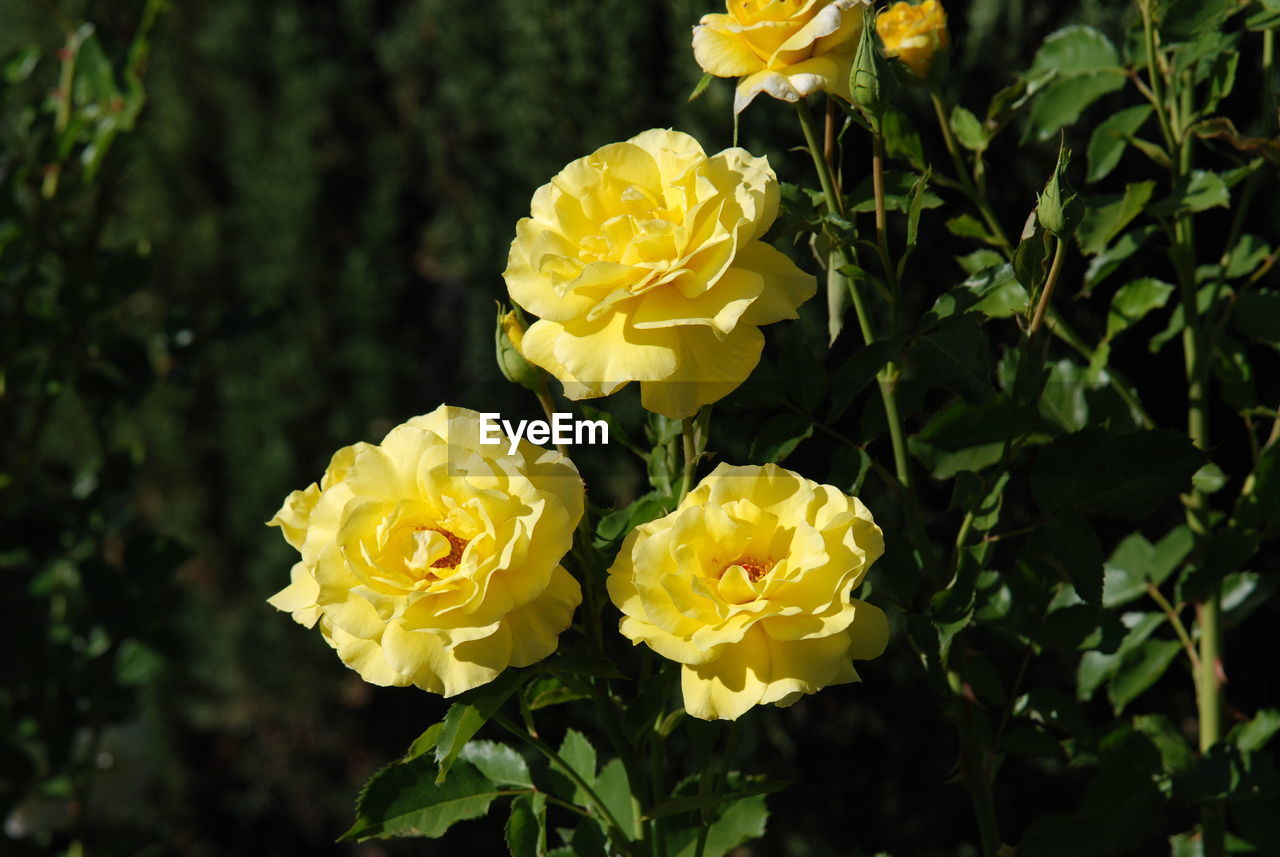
(786, 48)
(644, 262)
(747, 584)
(431, 559)
(914, 34)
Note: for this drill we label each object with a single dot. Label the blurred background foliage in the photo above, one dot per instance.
(249, 233)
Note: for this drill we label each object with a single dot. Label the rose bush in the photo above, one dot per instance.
(747, 584)
(429, 559)
(644, 262)
(914, 34)
(786, 48)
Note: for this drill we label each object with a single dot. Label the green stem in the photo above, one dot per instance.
(975, 768)
(1046, 294)
(1196, 360)
(689, 444)
(716, 784)
(825, 176)
(1058, 327)
(620, 839)
(976, 194)
(886, 377)
(1178, 628)
(1157, 86)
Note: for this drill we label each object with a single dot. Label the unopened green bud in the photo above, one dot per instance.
(871, 81)
(1058, 207)
(507, 335)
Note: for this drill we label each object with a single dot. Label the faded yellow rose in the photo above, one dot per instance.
(786, 48)
(432, 559)
(747, 584)
(644, 262)
(914, 34)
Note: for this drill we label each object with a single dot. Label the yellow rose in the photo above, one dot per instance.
(644, 262)
(914, 34)
(787, 48)
(431, 559)
(747, 584)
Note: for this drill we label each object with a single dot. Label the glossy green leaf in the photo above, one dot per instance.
(968, 130)
(1111, 137)
(1139, 668)
(405, 799)
(1107, 216)
(498, 762)
(1085, 67)
(526, 831)
(779, 437)
(1200, 191)
(1125, 476)
(472, 710)
(954, 356)
(1134, 300)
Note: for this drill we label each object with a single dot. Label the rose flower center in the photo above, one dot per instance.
(457, 545)
(754, 568)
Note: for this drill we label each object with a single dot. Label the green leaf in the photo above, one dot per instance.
(1186, 19)
(1098, 667)
(1109, 139)
(404, 799)
(526, 831)
(1199, 191)
(20, 64)
(1209, 479)
(1259, 506)
(1175, 752)
(701, 86)
(979, 261)
(995, 292)
(578, 754)
(424, 743)
(968, 226)
(960, 438)
(1257, 316)
(741, 821)
(1127, 571)
(1139, 668)
(1055, 707)
(1085, 67)
(1134, 300)
(858, 372)
(1063, 403)
(1125, 476)
(697, 802)
(615, 791)
(1252, 736)
(1227, 551)
(1106, 216)
(551, 691)
(472, 710)
(968, 129)
(916, 207)
(137, 664)
(1250, 252)
(1105, 263)
(1244, 592)
(779, 437)
(498, 762)
(897, 194)
(955, 357)
(901, 140)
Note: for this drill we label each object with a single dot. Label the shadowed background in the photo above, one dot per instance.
(299, 247)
